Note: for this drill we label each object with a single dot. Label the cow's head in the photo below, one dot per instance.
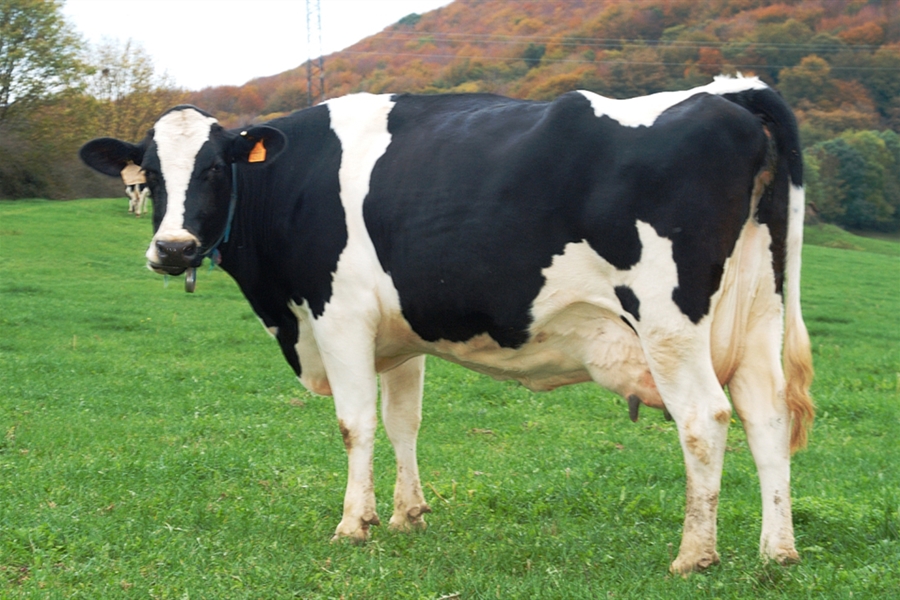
(187, 159)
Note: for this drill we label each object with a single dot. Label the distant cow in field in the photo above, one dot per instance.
(136, 188)
(651, 245)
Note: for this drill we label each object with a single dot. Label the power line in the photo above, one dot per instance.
(601, 61)
(451, 37)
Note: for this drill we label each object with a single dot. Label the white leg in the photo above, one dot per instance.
(142, 202)
(757, 390)
(401, 405)
(687, 382)
(131, 198)
(351, 372)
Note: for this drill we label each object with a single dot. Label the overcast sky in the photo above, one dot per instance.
(201, 43)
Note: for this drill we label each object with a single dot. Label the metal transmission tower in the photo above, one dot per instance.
(315, 90)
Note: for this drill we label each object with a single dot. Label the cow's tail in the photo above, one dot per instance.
(797, 357)
(786, 214)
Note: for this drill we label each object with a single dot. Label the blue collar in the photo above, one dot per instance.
(213, 251)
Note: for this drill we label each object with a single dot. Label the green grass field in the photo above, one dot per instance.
(154, 444)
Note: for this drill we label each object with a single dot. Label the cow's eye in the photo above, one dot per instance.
(213, 171)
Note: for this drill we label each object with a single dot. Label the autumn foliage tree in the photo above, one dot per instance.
(130, 94)
(836, 61)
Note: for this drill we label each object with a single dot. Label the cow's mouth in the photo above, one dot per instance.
(190, 273)
(166, 269)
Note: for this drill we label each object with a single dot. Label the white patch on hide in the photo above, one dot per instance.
(179, 135)
(360, 123)
(577, 333)
(578, 306)
(644, 110)
(312, 369)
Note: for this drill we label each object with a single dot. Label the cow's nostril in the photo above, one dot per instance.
(190, 251)
(162, 250)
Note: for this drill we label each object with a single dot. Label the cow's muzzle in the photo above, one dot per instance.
(174, 257)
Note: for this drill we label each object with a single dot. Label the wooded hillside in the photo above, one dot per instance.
(836, 61)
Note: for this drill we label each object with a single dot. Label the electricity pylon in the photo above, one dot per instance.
(315, 90)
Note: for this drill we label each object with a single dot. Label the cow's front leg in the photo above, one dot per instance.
(351, 373)
(142, 201)
(401, 406)
(357, 421)
(131, 202)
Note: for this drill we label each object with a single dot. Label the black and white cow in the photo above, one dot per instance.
(136, 188)
(651, 245)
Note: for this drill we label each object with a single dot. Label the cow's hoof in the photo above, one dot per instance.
(780, 550)
(412, 519)
(786, 557)
(355, 530)
(684, 566)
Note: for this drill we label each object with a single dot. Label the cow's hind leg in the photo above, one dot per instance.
(758, 392)
(401, 405)
(687, 382)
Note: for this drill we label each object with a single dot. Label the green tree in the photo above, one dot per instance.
(891, 161)
(682, 48)
(869, 207)
(533, 54)
(812, 181)
(781, 44)
(883, 80)
(410, 20)
(634, 71)
(38, 54)
(824, 188)
(288, 97)
(810, 81)
(854, 182)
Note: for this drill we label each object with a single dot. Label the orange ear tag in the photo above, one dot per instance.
(258, 154)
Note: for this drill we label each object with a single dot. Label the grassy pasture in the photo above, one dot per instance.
(154, 444)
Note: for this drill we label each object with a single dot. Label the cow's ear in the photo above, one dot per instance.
(257, 145)
(110, 156)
